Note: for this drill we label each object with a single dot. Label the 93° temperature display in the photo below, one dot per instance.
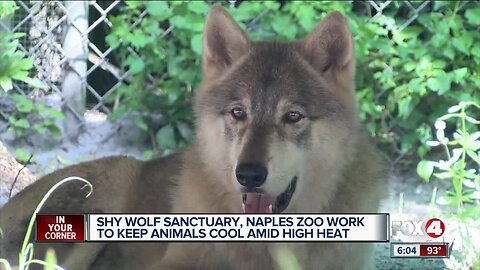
(419, 250)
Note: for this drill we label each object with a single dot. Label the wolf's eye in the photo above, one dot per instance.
(292, 117)
(238, 113)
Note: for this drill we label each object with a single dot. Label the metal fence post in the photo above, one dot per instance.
(74, 84)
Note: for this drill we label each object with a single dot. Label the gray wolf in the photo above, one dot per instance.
(277, 132)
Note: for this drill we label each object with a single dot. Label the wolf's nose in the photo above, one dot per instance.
(251, 175)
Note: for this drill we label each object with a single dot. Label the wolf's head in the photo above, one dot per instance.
(276, 120)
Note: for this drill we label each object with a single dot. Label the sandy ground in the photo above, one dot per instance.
(102, 138)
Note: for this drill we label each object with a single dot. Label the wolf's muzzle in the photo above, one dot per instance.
(251, 175)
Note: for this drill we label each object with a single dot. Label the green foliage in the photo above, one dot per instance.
(16, 66)
(461, 167)
(42, 117)
(22, 156)
(408, 80)
(173, 60)
(7, 8)
(462, 160)
(14, 63)
(405, 79)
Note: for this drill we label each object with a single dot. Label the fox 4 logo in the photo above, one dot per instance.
(418, 230)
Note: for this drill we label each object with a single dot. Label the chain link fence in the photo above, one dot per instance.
(66, 39)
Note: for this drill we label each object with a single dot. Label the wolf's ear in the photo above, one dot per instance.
(330, 47)
(223, 42)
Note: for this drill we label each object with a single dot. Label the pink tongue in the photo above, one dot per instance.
(257, 203)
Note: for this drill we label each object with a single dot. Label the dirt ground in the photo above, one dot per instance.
(102, 138)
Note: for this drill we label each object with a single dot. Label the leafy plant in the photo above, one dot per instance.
(31, 116)
(408, 78)
(462, 167)
(7, 8)
(15, 65)
(168, 58)
(405, 79)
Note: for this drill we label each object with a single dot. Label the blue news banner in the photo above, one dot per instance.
(241, 227)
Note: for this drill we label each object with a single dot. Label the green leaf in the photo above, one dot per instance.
(35, 83)
(18, 35)
(178, 21)
(194, 22)
(459, 74)
(473, 155)
(25, 106)
(474, 137)
(25, 64)
(439, 84)
(54, 113)
(140, 122)
(136, 64)
(166, 137)
(138, 39)
(120, 27)
(443, 175)
(22, 156)
(449, 52)
(474, 145)
(22, 123)
(196, 44)
(412, 32)
(306, 18)
(20, 75)
(39, 128)
(463, 43)
(472, 120)
(425, 169)
(473, 15)
(457, 136)
(173, 95)
(134, 4)
(198, 7)
(405, 107)
(437, 5)
(284, 26)
(112, 41)
(7, 8)
(446, 200)
(476, 52)
(6, 83)
(454, 109)
(185, 130)
(409, 66)
(156, 8)
(54, 129)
